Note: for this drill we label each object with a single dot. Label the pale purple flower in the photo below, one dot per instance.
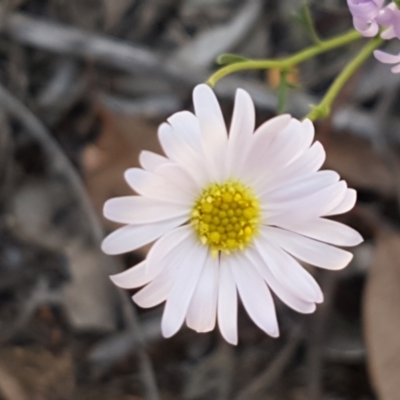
(364, 14)
(390, 18)
(387, 58)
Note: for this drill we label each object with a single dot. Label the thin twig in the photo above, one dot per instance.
(147, 371)
(56, 157)
(6, 170)
(317, 333)
(274, 370)
(62, 90)
(110, 350)
(67, 40)
(61, 164)
(40, 295)
(124, 56)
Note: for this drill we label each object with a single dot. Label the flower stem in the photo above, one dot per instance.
(287, 62)
(323, 109)
(309, 23)
(282, 92)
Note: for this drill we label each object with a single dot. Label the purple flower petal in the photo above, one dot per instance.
(364, 14)
(386, 58)
(388, 33)
(367, 30)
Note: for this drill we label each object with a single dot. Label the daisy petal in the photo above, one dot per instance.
(301, 186)
(311, 161)
(346, 204)
(202, 312)
(158, 290)
(314, 205)
(308, 250)
(184, 286)
(210, 116)
(157, 256)
(309, 130)
(227, 303)
(213, 129)
(132, 237)
(187, 126)
(284, 294)
(258, 152)
(328, 231)
(271, 128)
(187, 183)
(133, 277)
(254, 294)
(290, 143)
(167, 274)
(275, 155)
(176, 147)
(396, 69)
(142, 210)
(151, 185)
(288, 271)
(150, 161)
(242, 128)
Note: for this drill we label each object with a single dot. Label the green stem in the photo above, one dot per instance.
(282, 92)
(288, 62)
(310, 23)
(323, 109)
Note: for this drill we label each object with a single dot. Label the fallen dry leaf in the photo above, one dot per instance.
(104, 162)
(357, 162)
(117, 149)
(382, 317)
(40, 373)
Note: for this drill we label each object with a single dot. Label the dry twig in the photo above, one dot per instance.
(317, 334)
(62, 165)
(274, 370)
(66, 40)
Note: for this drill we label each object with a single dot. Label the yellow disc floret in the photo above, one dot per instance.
(226, 216)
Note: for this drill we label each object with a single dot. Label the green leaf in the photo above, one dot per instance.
(225, 59)
(298, 17)
(305, 18)
(397, 3)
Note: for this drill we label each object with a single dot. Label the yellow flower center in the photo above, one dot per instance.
(226, 216)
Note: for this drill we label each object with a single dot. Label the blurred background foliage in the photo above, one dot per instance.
(83, 86)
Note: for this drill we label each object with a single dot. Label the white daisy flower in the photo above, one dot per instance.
(231, 216)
